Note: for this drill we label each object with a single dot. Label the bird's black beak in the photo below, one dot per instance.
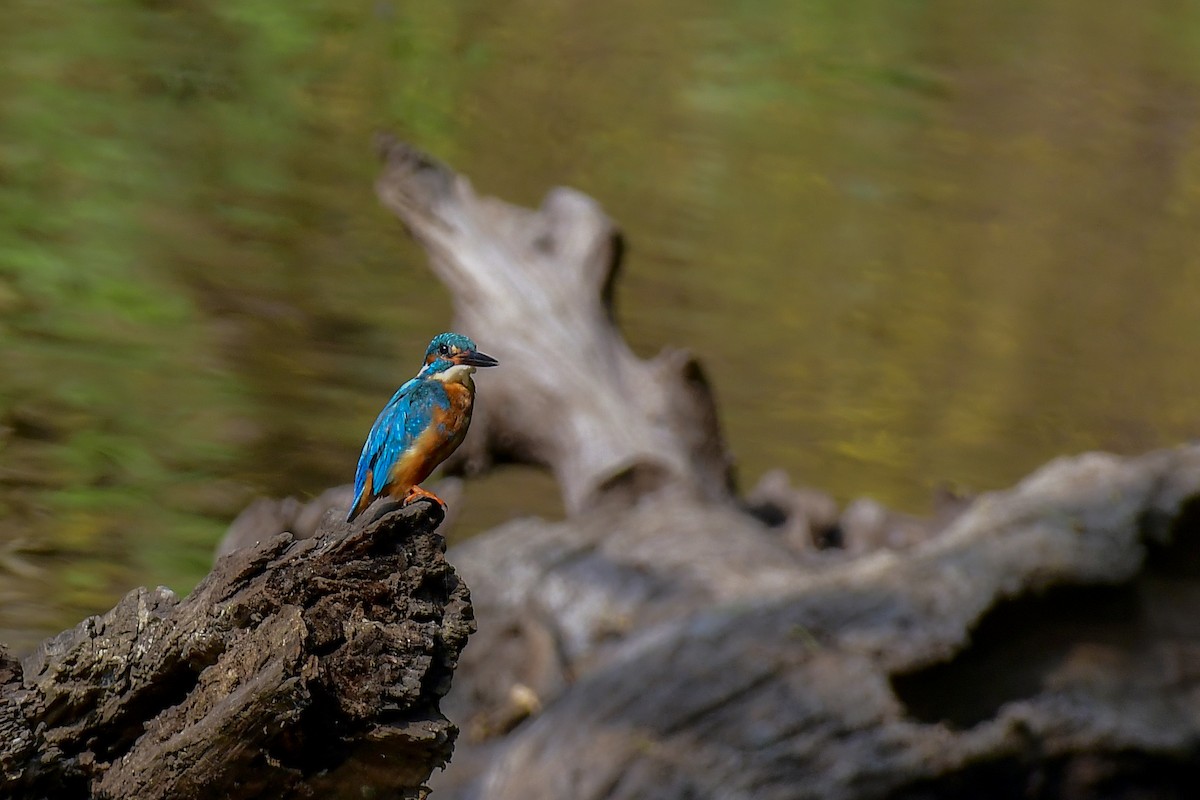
(475, 359)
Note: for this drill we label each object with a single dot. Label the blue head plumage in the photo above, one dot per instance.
(450, 350)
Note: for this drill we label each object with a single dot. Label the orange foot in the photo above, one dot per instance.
(416, 493)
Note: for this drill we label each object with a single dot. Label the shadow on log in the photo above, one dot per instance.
(297, 668)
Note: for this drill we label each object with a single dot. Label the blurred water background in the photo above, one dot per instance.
(912, 240)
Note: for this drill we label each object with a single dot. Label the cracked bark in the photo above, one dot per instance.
(297, 668)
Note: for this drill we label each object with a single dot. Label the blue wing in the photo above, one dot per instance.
(399, 424)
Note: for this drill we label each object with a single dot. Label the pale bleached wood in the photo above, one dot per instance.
(534, 288)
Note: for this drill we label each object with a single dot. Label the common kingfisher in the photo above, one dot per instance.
(423, 423)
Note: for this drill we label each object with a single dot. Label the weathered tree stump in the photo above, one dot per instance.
(297, 668)
(661, 642)
(1038, 642)
(536, 286)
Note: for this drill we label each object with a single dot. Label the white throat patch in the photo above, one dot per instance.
(459, 373)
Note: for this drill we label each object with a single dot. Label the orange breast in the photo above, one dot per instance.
(436, 443)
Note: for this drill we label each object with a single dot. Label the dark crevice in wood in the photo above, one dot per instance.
(1014, 649)
(1102, 775)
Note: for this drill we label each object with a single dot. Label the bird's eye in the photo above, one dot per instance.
(444, 349)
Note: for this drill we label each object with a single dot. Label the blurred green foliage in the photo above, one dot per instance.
(912, 241)
(176, 188)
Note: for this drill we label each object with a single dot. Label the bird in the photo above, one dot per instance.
(424, 422)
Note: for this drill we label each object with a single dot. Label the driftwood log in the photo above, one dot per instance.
(297, 668)
(1045, 644)
(1039, 642)
(672, 640)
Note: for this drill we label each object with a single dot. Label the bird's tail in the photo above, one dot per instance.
(358, 506)
(362, 494)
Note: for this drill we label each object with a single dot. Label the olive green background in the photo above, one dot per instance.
(912, 242)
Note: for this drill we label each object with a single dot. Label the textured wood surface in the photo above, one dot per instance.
(297, 668)
(1043, 644)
